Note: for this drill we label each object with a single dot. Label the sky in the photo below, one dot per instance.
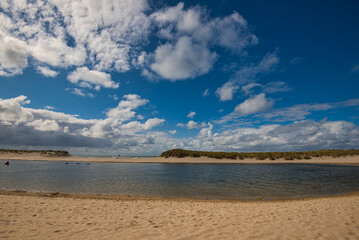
(142, 77)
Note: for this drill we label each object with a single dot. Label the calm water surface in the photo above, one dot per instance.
(212, 181)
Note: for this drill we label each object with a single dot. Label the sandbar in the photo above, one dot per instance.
(349, 160)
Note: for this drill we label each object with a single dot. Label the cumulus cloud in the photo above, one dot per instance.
(39, 127)
(91, 78)
(55, 52)
(47, 72)
(72, 33)
(112, 35)
(194, 125)
(13, 55)
(255, 104)
(28, 127)
(227, 91)
(191, 114)
(183, 60)
(191, 34)
(125, 108)
(230, 32)
(297, 136)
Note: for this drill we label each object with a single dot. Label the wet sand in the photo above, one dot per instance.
(51, 216)
(351, 160)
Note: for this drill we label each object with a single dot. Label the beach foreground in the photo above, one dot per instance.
(349, 160)
(32, 216)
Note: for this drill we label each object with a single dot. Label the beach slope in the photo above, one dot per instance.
(36, 217)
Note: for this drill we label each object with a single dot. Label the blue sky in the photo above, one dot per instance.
(142, 77)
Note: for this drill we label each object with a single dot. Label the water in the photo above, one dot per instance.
(204, 181)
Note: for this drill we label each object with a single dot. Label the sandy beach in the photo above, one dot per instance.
(74, 216)
(32, 216)
(350, 160)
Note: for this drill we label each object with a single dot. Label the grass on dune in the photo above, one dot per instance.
(180, 153)
(41, 152)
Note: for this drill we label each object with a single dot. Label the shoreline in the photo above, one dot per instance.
(350, 160)
(159, 198)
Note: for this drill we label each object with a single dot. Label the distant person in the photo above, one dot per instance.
(7, 163)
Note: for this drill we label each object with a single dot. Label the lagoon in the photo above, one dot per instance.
(201, 181)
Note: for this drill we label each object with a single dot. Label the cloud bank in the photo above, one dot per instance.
(119, 131)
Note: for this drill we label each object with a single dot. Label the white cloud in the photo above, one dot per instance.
(55, 52)
(183, 60)
(292, 113)
(13, 55)
(109, 29)
(194, 125)
(255, 104)
(64, 33)
(40, 127)
(47, 72)
(231, 32)
(80, 92)
(114, 97)
(227, 91)
(191, 114)
(297, 136)
(296, 112)
(88, 78)
(44, 125)
(172, 132)
(111, 36)
(49, 107)
(124, 110)
(27, 127)
(271, 87)
(206, 92)
(190, 35)
(249, 75)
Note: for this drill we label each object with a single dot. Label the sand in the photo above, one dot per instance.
(36, 217)
(351, 160)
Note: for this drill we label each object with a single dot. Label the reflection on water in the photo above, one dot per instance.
(212, 181)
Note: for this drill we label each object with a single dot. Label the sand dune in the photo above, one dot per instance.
(34, 217)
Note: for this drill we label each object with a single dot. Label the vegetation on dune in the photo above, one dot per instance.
(41, 152)
(180, 153)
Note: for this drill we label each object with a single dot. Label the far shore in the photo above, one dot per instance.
(350, 160)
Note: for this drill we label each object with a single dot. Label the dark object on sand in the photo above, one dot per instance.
(7, 163)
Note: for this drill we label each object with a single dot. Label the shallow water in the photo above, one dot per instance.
(211, 181)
